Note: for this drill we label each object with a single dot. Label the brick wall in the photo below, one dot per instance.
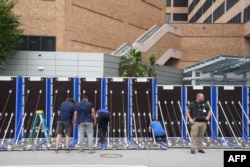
(169, 41)
(90, 25)
(202, 41)
(103, 26)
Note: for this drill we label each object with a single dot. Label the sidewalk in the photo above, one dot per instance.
(172, 157)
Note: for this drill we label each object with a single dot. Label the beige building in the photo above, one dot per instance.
(107, 25)
(218, 11)
(207, 11)
(221, 27)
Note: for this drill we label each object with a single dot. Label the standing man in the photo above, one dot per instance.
(103, 116)
(66, 117)
(86, 119)
(198, 113)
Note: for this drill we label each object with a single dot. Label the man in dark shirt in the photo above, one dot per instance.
(86, 119)
(103, 116)
(198, 113)
(66, 117)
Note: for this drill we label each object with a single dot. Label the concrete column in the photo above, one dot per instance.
(193, 77)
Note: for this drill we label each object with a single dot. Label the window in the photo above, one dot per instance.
(168, 17)
(180, 17)
(236, 19)
(207, 5)
(208, 19)
(168, 3)
(202, 10)
(34, 43)
(219, 11)
(196, 16)
(37, 43)
(231, 3)
(192, 5)
(48, 44)
(247, 14)
(180, 3)
(24, 44)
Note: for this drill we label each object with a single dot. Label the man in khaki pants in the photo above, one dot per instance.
(198, 113)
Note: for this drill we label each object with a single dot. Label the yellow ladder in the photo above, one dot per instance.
(36, 125)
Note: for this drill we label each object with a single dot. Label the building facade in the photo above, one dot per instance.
(219, 11)
(196, 29)
(207, 11)
(176, 11)
(209, 28)
(85, 26)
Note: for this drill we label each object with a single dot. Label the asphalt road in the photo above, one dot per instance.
(172, 157)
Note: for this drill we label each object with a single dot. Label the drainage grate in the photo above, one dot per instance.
(111, 155)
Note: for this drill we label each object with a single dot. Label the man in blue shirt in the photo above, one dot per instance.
(103, 116)
(158, 130)
(66, 117)
(86, 119)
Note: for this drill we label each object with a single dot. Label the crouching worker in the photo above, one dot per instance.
(103, 117)
(157, 130)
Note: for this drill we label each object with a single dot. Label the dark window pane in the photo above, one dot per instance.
(192, 5)
(48, 44)
(247, 14)
(180, 3)
(34, 43)
(236, 19)
(168, 2)
(168, 17)
(24, 44)
(180, 17)
(231, 3)
(208, 19)
(201, 11)
(196, 16)
(219, 11)
(207, 5)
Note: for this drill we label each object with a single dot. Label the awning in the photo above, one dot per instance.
(219, 65)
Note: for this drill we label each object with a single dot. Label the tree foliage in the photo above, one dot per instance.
(151, 68)
(131, 65)
(9, 30)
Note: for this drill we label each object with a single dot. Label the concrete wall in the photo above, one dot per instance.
(111, 66)
(55, 64)
(169, 75)
(66, 64)
(165, 74)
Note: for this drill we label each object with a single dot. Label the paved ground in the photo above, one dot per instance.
(172, 157)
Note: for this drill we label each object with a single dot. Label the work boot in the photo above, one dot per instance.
(192, 151)
(201, 151)
(80, 151)
(67, 150)
(91, 151)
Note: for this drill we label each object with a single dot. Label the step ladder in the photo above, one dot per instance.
(37, 125)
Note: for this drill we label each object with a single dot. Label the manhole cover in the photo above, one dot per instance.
(111, 155)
